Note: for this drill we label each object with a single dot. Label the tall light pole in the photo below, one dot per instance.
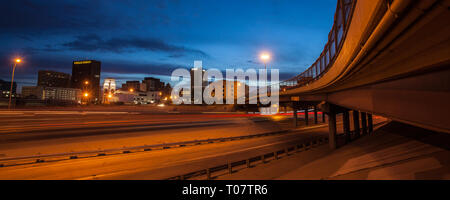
(12, 82)
(265, 57)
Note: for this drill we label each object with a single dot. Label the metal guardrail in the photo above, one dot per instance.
(275, 155)
(342, 18)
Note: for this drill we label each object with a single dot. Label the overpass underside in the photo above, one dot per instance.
(395, 65)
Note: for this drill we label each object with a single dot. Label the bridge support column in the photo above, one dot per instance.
(315, 115)
(364, 123)
(346, 125)
(295, 116)
(332, 129)
(370, 123)
(323, 117)
(306, 116)
(356, 123)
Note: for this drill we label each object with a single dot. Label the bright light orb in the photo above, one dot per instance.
(18, 60)
(265, 57)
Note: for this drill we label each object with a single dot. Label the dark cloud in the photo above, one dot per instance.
(93, 42)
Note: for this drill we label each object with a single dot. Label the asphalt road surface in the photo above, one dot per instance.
(39, 133)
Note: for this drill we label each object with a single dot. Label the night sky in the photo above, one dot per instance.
(134, 39)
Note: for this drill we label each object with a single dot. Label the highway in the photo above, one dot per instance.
(68, 133)
(56, 133)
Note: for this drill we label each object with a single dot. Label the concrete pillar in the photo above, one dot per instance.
(364, 123)
(295, 117)
(323, 117)
(346, 125)
(306, 116)
(356, 123)
(332, 129)
(370, 122)
(315, 115)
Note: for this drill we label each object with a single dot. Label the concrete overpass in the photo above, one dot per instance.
(389, 58)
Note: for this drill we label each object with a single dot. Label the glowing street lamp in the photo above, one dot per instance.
(86, 82)
(131, 90)
(18, 60)
(86, 94)
(265, 57)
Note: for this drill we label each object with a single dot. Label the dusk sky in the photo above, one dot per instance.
(136, 39)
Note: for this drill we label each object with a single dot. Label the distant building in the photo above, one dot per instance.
(143, 87)
(127, 97)
(52, 93)
(123, 96)
(109, 85)
(86, 77)
(48, 78)
(147, 97)
(131, 85)
(204, 81)
(5, 86)
(32, 92)
(153, 84)
(109, 88)
(233, 87)
(166, 92)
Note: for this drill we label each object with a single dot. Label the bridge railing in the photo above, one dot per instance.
(336, 37)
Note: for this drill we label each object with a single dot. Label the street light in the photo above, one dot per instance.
(131, 90)
(86, 94)
(86, 82)
(265, 57)
(18, 60)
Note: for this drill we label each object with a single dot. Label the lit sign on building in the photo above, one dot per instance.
(81, 62)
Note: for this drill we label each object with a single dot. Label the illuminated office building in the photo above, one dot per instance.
(86, 77)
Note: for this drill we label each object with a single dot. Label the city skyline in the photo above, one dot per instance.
(163, 37)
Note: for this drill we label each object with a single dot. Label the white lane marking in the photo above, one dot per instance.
(60, 112)
(223, 112)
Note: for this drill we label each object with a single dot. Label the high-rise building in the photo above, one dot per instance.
(48, 78)
(86, 77)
